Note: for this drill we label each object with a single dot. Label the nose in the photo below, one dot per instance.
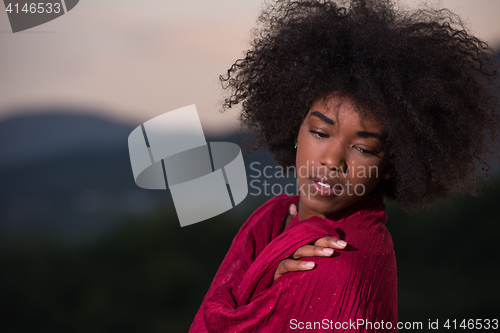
(333, 158)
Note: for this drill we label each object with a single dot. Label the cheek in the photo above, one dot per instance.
(363, 173)
(374, 171)
(303, 150)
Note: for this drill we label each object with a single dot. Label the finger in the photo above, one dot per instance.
(292, 211)
(290, 265)
(312, 251)
(332, 242)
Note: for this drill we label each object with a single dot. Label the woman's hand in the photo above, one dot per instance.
(323, 247)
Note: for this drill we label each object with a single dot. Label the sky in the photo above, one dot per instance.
(132, 60)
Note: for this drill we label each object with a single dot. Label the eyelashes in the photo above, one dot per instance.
(320, 135)
(370, 152)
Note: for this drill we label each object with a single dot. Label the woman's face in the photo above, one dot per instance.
(340, 157)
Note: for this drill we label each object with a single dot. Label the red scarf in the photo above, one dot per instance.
(354, 290)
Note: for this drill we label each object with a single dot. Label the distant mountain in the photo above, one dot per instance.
(67, 176)
(42, 135)
(45, 134)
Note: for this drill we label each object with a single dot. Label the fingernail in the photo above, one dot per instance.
(310, 265)
(341, 242)
(293, 209)
(327, 251)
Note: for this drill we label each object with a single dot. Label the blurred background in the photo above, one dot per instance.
(82, 248)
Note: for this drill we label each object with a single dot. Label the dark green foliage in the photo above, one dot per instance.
(152, 275)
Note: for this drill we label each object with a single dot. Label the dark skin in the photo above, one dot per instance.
(323, 247)
(332, 140)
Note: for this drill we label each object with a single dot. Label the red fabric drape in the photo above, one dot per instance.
(355, 290)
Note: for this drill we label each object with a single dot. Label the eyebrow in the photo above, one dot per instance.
(365, 134)
(322, 117)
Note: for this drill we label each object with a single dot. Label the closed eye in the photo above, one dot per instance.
(366, 151)
(318, 134)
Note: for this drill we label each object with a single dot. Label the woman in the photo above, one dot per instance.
(376, 102)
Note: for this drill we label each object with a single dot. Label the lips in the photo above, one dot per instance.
(325, 186)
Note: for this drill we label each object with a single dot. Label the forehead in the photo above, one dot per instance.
(343, 111)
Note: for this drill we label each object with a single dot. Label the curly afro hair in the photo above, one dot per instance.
(421, 74)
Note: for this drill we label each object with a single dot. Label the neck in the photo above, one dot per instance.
(305, 213)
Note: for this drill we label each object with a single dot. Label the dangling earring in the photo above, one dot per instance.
(296, 145)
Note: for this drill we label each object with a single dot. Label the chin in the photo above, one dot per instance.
(328, 205)
(322, 205)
